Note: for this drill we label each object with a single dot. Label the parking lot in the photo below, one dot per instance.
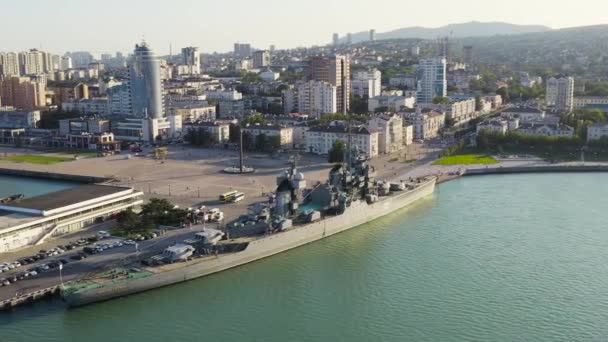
(44, 270)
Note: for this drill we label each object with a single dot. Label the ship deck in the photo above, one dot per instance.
(113, 276)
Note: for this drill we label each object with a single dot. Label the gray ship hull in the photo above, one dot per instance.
(357, 214)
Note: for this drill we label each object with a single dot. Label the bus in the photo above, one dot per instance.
(238, 197)
(228, 196)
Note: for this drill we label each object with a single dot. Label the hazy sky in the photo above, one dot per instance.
(214, 25)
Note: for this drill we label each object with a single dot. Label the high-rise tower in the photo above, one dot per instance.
(145, 83)
(336, 71)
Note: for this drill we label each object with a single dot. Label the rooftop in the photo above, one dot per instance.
(63, 198)
(341, 129)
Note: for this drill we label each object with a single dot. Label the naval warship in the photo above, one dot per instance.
(294, 216)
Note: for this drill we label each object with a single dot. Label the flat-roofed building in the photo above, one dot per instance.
(192, 112)
(285, 133)
(320, 140)
(31, 220)
(220, 131)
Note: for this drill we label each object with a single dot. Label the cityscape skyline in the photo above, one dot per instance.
(262, 26)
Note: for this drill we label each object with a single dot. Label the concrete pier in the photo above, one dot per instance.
(29, 297)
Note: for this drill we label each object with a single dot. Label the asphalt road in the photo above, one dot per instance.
(107, 259)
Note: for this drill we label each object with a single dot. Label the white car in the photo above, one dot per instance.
(6, 283)
(129, 242)
(103, 234)
(5, 269)
(33, 273)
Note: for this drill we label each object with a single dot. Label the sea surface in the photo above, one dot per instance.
(30, 187)
(492, 258)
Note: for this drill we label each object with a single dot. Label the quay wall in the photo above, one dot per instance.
(535, 169)
(54, 176)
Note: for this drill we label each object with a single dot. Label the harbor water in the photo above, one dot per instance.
(30, 187)
(491, 258)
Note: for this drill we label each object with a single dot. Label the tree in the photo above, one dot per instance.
(336, 154)
(441, 100)
(261, 142)
(256, 119)
(234, 133)
(129, 221)
(358, 104)
(478, 103)
(161, 211)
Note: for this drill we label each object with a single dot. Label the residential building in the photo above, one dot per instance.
(334, 70)
(87, 106)
(261, 59)
(315, 98)
(270, 75)
(68, 90)
(284, 133)
(408, 133)
(22, 93)
(591, 102)
(432, 80)
(191, 58)
(119, 100)
(9, 64)
(390, 132)
(404, 80)
(66, 63)
(560, 93)
(80, 59)
(495, 100)
(427, 124)
(460, 110)
(494, 125)
(32, 62)
(220, 132)
(595, 131)
(461, 79)
(367, 84)
(231, 109)
(467, 52)
(546, 129)
(242, 50)
(223, 95)
(390, 103)
(192, 112)
(11, 118)
(320, 140)
(145, 84)
(524, 114)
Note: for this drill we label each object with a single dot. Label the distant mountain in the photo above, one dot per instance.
(471, 29)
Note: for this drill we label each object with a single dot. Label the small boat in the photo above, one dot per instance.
(11, 198)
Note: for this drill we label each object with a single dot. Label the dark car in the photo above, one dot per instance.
(64, 261)
(90, 250)
(76, 257)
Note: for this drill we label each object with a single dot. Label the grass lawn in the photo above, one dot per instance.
(35, 159)
(466, 159)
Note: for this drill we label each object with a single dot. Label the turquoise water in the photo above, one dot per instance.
(31, 187)
(494, 258)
